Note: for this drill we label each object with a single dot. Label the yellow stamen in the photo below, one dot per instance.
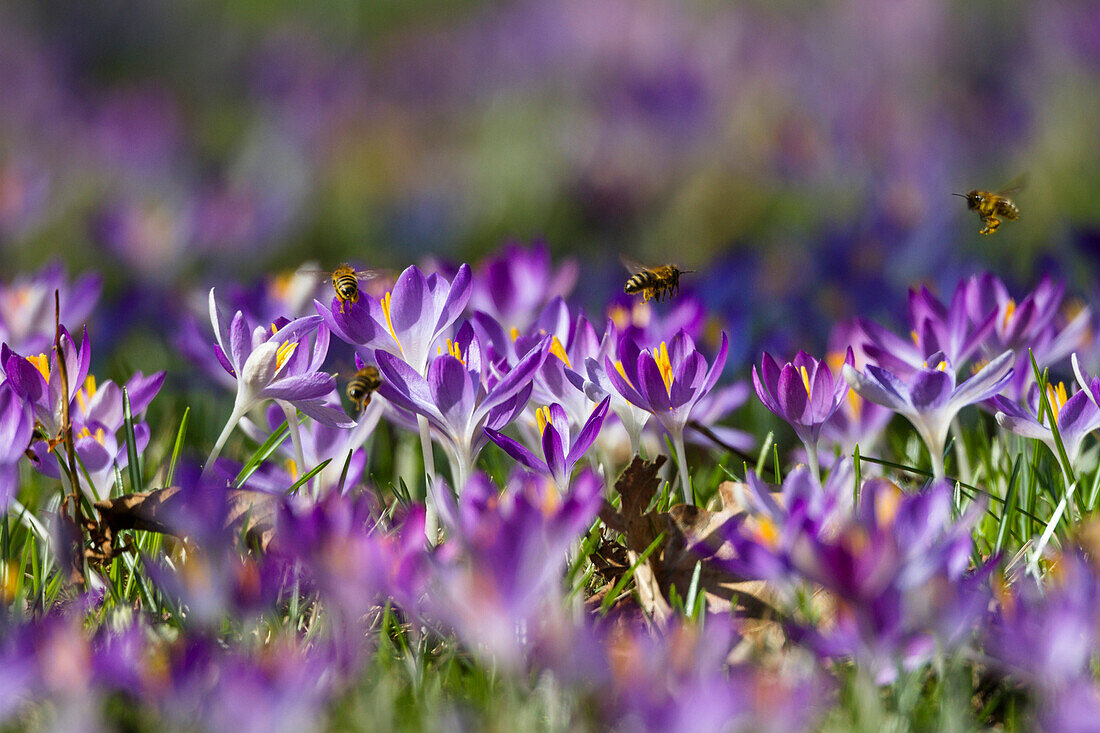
(292, 468)
(454, 350)
(514, 333)
(1010, 308)
(542, 416)
(805, 380)
(274, 329)
(1057, 397)
(942, 366)
(664, 365)
(622, 372)
(389, 323)
(83, 395)
(285, 350)
(915, 336)
(559, 351)
(835, 360)
(99, 435)
(42, 364)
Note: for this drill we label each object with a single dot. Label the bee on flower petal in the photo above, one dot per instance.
(657, 283)
(993, 206)
(360, 388)
(345, 281)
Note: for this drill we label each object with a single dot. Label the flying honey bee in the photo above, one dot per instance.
(363, 385)
(345, 281)
(993, 206)
(659, 283)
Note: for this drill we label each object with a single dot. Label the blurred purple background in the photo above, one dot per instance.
(801, 156)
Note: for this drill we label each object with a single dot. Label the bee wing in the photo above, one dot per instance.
(367, 274)
(1016, 185)
(632, 265)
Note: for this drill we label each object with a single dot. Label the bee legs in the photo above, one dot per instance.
(991, 224)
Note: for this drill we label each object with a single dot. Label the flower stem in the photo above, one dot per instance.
(291, 414)
(431, 520)
(681, 461)
(812, 460)
(230, 425)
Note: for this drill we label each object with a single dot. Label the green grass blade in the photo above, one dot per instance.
(306, 477)
(132, 457)
(262, 453)
(178, 447)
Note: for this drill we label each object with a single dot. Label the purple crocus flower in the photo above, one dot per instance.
(667, 382)
(462, 395)
(897, 569)
(37, 379)
(929, 396)
(1045, 635)
(1075, 415)
(16, 430)
(27, 307)
(277, 364)
(408, 321)
(97, 416)
(513, 286)
(802, 392)
(561, 451)
(951, 329)
(1035, 326)
(498, 580)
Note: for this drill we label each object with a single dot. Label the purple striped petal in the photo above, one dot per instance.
(652, 385)
(300, 387)
(517, 451)
(588, 433)
(452, 390)
(930, 388)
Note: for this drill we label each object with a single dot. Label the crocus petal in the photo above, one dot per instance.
(554, 451)
(1026, 427)
(930, 388)
(622, 386)
(452, 390)
(588, 433)
(987, 382)
(652, 385)
(300, 387)
(517, 451)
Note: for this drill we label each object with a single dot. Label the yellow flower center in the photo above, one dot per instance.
(42, 364)
(292, 468)
(514, 333)
(1057, 397)
(86, 393)
(855, 403)
(664, 365)
(542, 416)
(455, 351)
(805, 380)
(559, 351)
(620, 316)
(99, 435)
(941, 366)
(1010, 308)
(915, 336)
(389, 322)
(551, 497)
(886, 508)
(283, 354)
(280, 285)
(766, 532)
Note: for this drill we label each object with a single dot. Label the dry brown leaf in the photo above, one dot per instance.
(252, 512)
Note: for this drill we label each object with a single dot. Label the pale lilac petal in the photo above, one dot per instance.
(300, 387)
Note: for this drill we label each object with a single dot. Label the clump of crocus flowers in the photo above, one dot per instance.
(318, 530)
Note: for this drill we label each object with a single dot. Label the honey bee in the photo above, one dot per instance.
(362, 385)
(659, 283)
(345, 281)
(993, 206)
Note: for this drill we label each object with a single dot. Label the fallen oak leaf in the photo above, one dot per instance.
(253, 513)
